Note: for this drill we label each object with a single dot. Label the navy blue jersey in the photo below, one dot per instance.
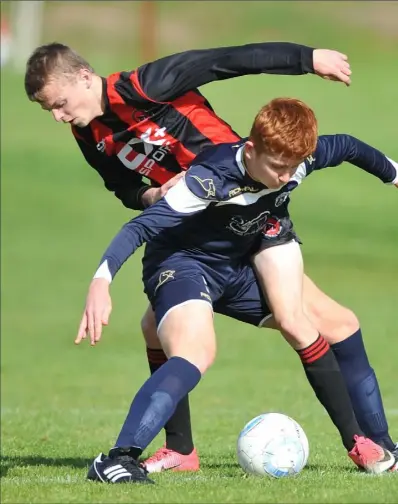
(217, 210)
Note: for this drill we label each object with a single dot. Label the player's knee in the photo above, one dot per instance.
(286, 325)
(346, 325)
(204, 357)
(337, 324)
(290, 323)
(149, 330)
(297, 329)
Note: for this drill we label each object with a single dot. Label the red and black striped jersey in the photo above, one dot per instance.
(156, 121)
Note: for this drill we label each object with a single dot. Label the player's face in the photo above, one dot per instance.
(272, 171)
(71, 99)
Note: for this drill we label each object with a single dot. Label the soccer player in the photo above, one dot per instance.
(152, 122)
(201, 236)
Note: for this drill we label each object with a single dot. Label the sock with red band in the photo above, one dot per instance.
(323, 373)
(178, 428)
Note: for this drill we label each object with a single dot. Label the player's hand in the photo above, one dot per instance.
(332, 65)
(96, 313)
(154, 194)
(170, 183)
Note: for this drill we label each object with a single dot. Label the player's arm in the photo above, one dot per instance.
(180, 203)
(167, 78)
(127, 185)
(333, 150)
(171, 211)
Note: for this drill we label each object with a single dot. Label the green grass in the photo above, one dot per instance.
(58, 411)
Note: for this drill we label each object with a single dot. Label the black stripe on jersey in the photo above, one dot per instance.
(85, 134)
(165, 116)
(125, 87)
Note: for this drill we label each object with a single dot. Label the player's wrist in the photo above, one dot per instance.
(394, 181)
(103, 273)
(307, 59)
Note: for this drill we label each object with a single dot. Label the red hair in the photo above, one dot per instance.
(285, 127)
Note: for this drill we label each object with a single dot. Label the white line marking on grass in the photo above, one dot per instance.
(389, 412)
(63, 412)
(97, 411)
(44, 480)
(73, 480)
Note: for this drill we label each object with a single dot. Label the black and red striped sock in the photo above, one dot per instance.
(178, 428)
(323, 373)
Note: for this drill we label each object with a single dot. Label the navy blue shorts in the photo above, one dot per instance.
(231, 291)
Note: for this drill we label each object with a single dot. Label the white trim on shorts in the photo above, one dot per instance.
(264, 320)
(182, 304)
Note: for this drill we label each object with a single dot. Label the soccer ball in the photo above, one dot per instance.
(272, 444)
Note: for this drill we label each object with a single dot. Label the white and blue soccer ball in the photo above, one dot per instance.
(274, 445)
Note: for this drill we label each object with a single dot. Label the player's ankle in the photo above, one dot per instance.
(118, 451)
(385, 442)
(182, 449)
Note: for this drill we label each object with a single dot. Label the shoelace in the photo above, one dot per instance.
(132, 466)
(364, 442)
(159, 455)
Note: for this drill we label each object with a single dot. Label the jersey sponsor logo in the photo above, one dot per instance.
(242, 227)
(281, 198)
(101, 145)
(272, 228)
(239, 190)
(207, 186)
(164, 277)
(140, 115)
(156, 147)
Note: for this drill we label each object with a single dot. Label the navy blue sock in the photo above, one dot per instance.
(178, 427)
(363, 388)
(155, 402)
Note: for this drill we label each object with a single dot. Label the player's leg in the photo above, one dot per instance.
(341, 328)
(246, 303)
(280, 272)
(187, 335)
(179, 443)
(186, 332)
(279, 269)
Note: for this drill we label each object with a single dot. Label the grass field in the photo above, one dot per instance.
(63, 404)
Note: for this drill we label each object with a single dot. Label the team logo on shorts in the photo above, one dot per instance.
(164, 277)
(281, 198)
(207, 186)
(272, 228)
